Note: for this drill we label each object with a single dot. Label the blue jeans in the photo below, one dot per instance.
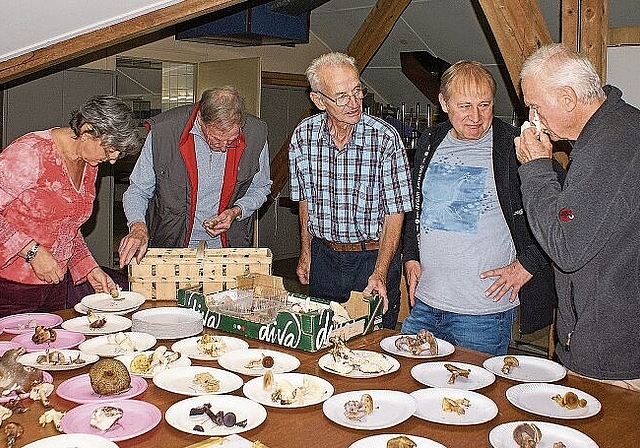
(334, 275)
(489, 333)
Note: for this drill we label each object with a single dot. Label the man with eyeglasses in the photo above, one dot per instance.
(201, 175)
(470, 259)
(349, 172)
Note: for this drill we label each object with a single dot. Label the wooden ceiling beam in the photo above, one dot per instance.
(518, 28)
(365, 43)
(591, 32)
(84, 44)
(628, 35)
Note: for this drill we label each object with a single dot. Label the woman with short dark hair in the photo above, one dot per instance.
(47, 189)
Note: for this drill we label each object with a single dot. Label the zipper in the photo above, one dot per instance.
(575, 316)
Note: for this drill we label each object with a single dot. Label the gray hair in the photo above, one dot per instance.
(223, 107)
(467, 75)
(556, 66)
(327, 59)
(112, 121)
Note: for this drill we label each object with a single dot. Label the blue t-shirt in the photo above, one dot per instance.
(462, 229)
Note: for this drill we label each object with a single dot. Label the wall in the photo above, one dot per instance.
(623, 69)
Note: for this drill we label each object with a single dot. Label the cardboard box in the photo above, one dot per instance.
(263, 315)
(162, 272)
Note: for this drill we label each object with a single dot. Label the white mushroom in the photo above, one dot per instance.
(51, 416)
(5, 413)
(41, 392)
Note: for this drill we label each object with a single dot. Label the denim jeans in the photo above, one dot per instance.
(489, 333)
(334, 275)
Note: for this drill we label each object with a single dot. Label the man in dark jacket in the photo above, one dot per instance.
(469, 256)
(590, 225)
(201, 175)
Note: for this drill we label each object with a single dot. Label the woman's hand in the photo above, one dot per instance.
(46, 267)
(100, 281)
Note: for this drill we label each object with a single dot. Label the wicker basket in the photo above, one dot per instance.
(163, 271)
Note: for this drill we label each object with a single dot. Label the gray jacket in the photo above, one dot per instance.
(590, 227)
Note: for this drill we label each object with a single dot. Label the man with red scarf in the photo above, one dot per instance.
(201, 175)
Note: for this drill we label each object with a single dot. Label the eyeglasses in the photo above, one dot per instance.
(220, 142)
(344, 98)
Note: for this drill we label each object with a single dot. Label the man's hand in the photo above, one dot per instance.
(100, 281)
(303, 268)
(510, 277)
(221, 223)
(134, 244)
(46, 267)
(377, 283)
(529, 148)
(412, 272)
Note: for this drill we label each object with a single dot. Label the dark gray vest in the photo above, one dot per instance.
(168, 216)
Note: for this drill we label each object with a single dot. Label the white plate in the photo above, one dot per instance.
(114, 324)
(380, 441)
(101, 346)
(80, 308)
(435, 374)
(531, 369)
(72, 441)
(502, 436)
(390, 408)
(168, 322)
(182, 361)
(189, 347)
(178, 414)
(29, 359)
(429, 401)
(388, 344)
(253, 390)
(180, 380)
(103, 301)
(237, 360)
(536, 398)
(327, 364)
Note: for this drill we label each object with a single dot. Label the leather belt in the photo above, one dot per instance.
(352, 247)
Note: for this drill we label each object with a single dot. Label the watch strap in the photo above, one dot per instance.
(31, 253)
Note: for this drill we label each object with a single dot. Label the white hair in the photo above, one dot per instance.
(556, 66)
(327, 59)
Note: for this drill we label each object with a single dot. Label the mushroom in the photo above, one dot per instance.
(457, 405)
(509, 362)
(41, 392)
(13, 431)
(51, 416)
(570, 400)
(5, 413)
(527, 435)
(456, 372)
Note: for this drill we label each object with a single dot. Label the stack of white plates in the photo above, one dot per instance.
(168, 322)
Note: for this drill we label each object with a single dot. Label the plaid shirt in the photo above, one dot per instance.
(349, 191)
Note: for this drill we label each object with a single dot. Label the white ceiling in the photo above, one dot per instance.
(448, 29)
(34, 26)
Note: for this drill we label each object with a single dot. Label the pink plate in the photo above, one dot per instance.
(64, 339)
(7, 398)
(26, 322)
(78, 389)
(7, 345)
(139, 417)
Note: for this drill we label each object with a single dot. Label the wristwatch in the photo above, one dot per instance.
(31, 253)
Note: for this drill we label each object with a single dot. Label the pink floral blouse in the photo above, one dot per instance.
(38, 201)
